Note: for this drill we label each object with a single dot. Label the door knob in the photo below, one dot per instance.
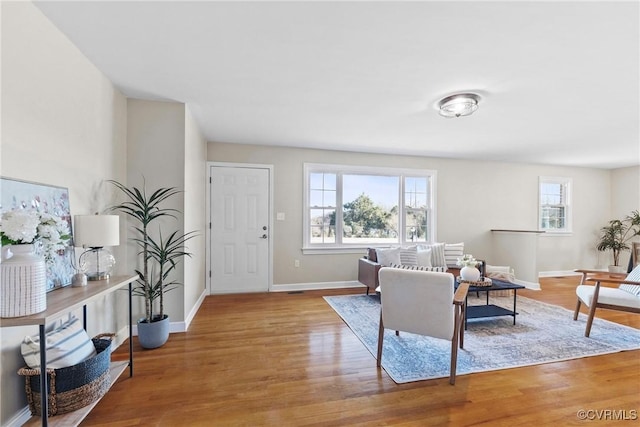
(264, 236)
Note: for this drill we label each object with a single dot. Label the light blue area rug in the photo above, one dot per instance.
(543, 333)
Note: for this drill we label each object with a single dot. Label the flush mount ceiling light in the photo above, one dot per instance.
(462, 104)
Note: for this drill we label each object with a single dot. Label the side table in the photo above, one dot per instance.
(490, 310)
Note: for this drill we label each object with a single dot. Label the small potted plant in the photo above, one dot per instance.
(159, 256)
(616, 235)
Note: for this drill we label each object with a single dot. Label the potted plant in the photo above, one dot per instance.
(616, 235)
(159, 256)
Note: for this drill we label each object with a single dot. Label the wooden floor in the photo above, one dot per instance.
(288, 360)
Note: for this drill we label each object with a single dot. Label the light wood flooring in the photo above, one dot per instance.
(283, 359)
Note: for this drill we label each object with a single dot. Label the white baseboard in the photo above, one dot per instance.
(194, 310)
(20, 418)
(292, 287)
(534, 286)
(559, 273)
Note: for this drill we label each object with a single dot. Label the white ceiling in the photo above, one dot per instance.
(559, 81)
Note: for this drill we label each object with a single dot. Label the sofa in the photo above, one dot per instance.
(440, 257)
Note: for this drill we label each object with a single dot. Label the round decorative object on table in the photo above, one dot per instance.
(470, 274)
(486, 282)
(23, 288)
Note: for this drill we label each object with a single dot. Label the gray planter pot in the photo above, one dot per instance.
(154, 334)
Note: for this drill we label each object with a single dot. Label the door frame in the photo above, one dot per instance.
(208, 216)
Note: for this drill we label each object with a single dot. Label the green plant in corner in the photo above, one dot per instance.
(616, 235)
(159, 255)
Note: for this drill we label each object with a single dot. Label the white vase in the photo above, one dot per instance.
(470, 274)
(23, 285)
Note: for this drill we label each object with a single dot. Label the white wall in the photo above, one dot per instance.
(64, 124)
(625, 197)
(498, 196)
(194, 212)
(156, 156)
(166, 149)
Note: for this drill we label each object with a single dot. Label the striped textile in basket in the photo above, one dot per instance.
(72, 387)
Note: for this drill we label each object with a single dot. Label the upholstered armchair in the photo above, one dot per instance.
(422, 302)
(626, 297)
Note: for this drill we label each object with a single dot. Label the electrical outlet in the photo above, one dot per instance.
(296, 263)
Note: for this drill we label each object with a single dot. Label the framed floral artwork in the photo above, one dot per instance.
(51, 205)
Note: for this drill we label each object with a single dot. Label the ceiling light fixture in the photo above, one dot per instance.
(462, 104)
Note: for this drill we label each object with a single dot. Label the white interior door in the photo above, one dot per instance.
(240, 229)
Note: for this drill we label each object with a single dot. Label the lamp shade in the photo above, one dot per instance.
(96, 231)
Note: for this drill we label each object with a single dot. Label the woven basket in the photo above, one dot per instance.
(72, 387)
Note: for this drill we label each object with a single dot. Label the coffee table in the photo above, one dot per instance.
(491, 310)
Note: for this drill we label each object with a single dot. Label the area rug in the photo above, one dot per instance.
(543, 333)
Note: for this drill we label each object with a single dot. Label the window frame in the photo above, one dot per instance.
(567, 184)
(340, 170)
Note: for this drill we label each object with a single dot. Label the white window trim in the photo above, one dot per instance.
(308, 248)
(568, 184)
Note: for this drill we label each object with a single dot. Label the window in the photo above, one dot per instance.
(555, 204)
(354, 207)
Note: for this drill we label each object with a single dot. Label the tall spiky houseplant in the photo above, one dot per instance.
(159, 256)
(616, 235)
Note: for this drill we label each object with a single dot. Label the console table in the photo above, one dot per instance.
(60, 302)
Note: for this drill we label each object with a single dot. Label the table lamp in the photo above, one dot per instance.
(94, 232)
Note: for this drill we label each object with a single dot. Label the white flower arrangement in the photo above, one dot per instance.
(23, 226)
(467, 260)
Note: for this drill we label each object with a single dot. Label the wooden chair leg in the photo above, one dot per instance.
(462, 317)
(592, 313)
(380, 340)
(454, 346)
(592, 308)
(575, 313)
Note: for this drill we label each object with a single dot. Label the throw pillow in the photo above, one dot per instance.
(453, 251)
(409, 256)
(437, 255)
(632, 289)
(371, 255)
(423, 257)
(67, 345)
(387, 257)
(634, 276)
(418, 268)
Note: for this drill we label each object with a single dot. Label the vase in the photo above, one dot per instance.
(470, 274)
(154, 334)
(23, 288)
